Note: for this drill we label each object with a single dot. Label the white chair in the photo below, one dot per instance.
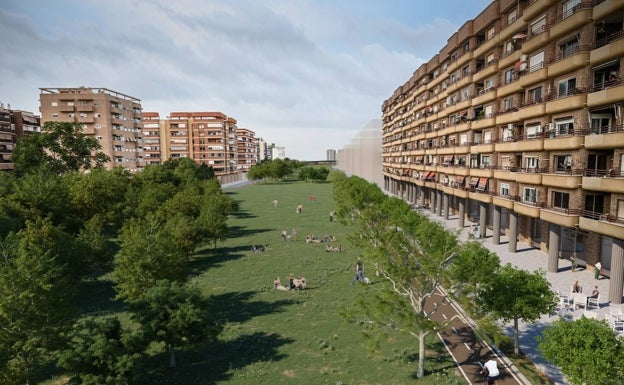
(616, 313)
(593, 302)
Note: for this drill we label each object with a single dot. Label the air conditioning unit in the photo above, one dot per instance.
(523, 58)
(523, 66)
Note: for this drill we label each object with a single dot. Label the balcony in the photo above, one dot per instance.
(536, 74)
(606, 48)
(487, 46)
(576, 101)
(602, 226)
(529, 175)
(503, 201)
(605, 137)
(605, 184)
(531, 110)
(527, 209)
(564, 142)
(612, 94)
(575, 18)
(569, 181)
(485, 72)
(534, 9)
(509, 59)
(512, 29)
(561, 217)
(482, 172)
(568, 61)
(483, 123)
(605, 9)
(504, 174)
(484, 96)
(535, 41)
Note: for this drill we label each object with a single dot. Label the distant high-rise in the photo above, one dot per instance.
(113, 118)
(331, 155)
(247, 151)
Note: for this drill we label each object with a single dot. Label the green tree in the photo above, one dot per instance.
(61, 147)
(411, 255)
(352, 195)
(37, 291)
(175, 315)
(148, 254)
(515, 294)
(587, 351)
(472, 267)
(100, 351)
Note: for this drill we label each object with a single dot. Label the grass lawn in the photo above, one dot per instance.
(276, 337)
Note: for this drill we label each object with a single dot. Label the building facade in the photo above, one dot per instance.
(14, 125)
(247, 149)
(330, 155)
(518, 124)
(363, 156)
(113, 118)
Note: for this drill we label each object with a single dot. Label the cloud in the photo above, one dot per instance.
(304, 74)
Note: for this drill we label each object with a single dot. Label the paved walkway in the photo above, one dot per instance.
(531, 259)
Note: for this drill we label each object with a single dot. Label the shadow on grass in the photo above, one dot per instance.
(216, 362)
(208, 257)
(240, 231)
(97, 297)
(238, 306)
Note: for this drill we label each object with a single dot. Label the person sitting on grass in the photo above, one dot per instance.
(277, 285)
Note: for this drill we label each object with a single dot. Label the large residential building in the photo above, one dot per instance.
(247, 151)
(111, 117)
(518, 123)
(362, 157)
(14, 125)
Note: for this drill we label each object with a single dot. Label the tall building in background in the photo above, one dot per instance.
(261, 150)
(362, 157)
(331, 155)
(113, 118)
(247, 151)
(7, 139)
(278, 152)
(153, 130)
(518, 124)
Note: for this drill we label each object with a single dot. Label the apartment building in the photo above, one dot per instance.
(113, 118)
(518, 123)
(247, 149)
(154, 153)
(14, 125)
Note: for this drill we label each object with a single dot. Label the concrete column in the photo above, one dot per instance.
(439, 201)
(554, 244)
(616, 280)
(445, 204)
(496, 225)
(462, 212)
(482, 219)
(432, 200)
(513, 231)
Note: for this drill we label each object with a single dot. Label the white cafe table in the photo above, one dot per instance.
(579, 300)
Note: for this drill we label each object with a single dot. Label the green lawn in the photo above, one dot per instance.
(275, 337)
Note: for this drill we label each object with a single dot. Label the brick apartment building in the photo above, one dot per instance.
(14, 125)
(111, 117)
(518, 123)
(247, 149)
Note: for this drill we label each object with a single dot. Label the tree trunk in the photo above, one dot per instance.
(172, 357)
(516, 349)
(421, 355)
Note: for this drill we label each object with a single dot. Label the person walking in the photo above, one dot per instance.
(359, 271)
(597, 268)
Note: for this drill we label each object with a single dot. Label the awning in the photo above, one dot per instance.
(459, 180)
(519, 36)
(463, 113)
(425, 175)
(419, 159)
(474, 181)
(29, 119)
(482, 184)
(431, 176)
(447, 159)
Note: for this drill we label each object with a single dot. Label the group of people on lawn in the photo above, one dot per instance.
(299, 283)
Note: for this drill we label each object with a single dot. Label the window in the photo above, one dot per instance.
(466, 71)
(529, 195)
(83, 115)
(505, 162)
(466, 47)
(508, 104)
(533, 131)
(569, 47)
(600, 122)
(536, 61)
(508, 133)
(474, 160)
(567, 87)
(511, 16)
(70, 104)
(620, 209)
(54, 104)
(510, 46)
(538, 26)
(463, 139)
(488, 111)
(485, 161)
(564, 126)
(568, 8)
(504, 189)
(489, 83)
(560, 200)
(489, 59)
(509, 76)
(490, 32)
(563, 163)
(55, 115)
(531, 162)
(535, 95)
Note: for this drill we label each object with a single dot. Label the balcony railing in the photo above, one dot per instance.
(606, 129)
(577, 8)
(612, 173)
(609, 39)
(571, 52)
(566, 211)
(613, 82)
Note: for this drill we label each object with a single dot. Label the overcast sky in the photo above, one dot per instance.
(303, 74)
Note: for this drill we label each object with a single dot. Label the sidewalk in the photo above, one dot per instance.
(531, 259)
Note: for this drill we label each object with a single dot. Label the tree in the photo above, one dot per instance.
(472, 267)
(175, 315)
(37, 290)
(587, 351)
(100, 351)
(411, 254)
(61, 147)
(147, 254)
(515, 294)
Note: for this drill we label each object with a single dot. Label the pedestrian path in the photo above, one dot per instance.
(531, 259)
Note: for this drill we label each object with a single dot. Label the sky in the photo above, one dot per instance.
(307, 75)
